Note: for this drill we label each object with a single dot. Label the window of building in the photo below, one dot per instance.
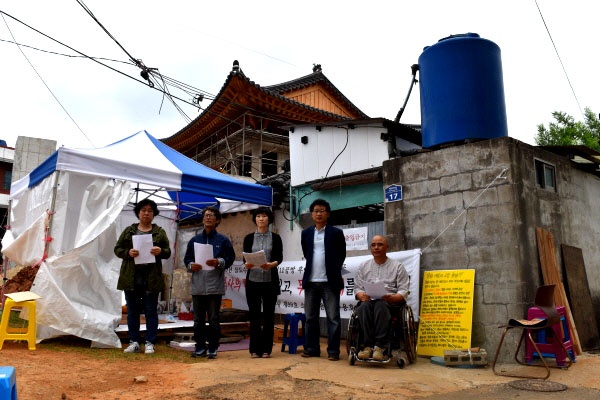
(545, 175)
(7, 180)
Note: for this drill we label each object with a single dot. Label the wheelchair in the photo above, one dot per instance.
(402, 344)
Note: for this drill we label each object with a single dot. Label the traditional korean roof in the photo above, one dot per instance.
(283, 104)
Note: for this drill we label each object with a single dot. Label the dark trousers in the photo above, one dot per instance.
(261, 309)
(374, 319)
(207, 308)
(140, 301)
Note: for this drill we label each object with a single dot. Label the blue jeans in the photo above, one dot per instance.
(207, 307)
(139, 301)
(314, 292)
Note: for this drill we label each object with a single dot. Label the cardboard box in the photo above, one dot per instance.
(226, 303)
(278, 333)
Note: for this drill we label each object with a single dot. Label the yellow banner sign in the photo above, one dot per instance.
(446, 311)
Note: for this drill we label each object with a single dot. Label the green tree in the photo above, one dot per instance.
(567, 132)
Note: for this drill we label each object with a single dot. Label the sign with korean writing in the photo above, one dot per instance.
(356, 238)
(291, 298)
(446, 311)
(393, 193)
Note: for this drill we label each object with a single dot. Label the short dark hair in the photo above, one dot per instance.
(213, 210)
(320, 202)
(263, 210)
(143, 203)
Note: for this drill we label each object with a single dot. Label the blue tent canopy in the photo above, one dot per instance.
(146, 160)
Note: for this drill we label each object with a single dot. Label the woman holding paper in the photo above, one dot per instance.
(142, 246)
(262, 281)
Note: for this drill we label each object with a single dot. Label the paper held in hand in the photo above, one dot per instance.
(375, 290)
(203, 252)
(256, 259)
(143, 244)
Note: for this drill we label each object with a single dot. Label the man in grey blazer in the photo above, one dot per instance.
(324, 248)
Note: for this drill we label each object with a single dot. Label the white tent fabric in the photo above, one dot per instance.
(78, 280)
(71, 206)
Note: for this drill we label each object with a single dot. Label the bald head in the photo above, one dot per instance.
(379, 248)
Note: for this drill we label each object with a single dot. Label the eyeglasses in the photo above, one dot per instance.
(207, 215)
(319, 211)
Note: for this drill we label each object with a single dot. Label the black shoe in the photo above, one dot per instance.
(333, 357)
(199, 353)
(307, 354)
(212, 354)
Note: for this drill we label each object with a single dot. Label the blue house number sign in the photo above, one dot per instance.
(393, 193)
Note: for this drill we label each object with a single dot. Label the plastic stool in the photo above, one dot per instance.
(8, 383)
(292, 321)
(11, 333)
(546, 340)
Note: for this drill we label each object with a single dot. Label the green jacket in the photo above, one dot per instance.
(155, 282)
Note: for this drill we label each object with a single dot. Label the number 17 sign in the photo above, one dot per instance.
(393, 193)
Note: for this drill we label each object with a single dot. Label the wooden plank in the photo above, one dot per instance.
(580, 297)
(551, 275)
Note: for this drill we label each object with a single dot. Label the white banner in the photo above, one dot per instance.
(356, 238)
(290, 276)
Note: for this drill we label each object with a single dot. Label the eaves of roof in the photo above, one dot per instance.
(239, 95)
(313, 79)
(583, 157)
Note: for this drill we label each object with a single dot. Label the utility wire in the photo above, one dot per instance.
(101, 63)
(559, 59)
(44, 82)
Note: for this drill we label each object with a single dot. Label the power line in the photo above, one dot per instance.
(559, 59)
(42, 79)
(195, 93)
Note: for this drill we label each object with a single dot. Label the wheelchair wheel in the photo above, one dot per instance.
(351, 336)
(352, 356)
(410, 334)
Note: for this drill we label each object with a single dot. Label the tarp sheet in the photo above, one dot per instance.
(74, 203)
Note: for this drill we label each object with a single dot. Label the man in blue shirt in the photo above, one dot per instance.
(324, 248)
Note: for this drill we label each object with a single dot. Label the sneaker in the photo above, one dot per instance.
(365, 353)
(212, 354)
(199, 353)
(149, 348)
(333, 357)
(134, 347)
(378, 354)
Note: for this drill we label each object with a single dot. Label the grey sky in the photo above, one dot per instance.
(365, 48)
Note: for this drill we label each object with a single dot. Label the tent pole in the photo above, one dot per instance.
(50, 213)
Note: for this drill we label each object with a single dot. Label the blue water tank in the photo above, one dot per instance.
(462, 90)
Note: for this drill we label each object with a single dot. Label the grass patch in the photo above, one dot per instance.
(72, 344)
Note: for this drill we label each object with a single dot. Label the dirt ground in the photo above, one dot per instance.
(68, 368)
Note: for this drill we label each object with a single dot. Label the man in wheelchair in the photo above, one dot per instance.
(380, 283)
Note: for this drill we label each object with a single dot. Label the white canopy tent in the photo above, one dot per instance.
(65, 217)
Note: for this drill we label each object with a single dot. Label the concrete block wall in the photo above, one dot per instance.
(461, 207)
(29, 153)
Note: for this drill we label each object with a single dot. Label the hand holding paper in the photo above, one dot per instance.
(143, 244)
(203, 253)
(256, 259)
(375, 290)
